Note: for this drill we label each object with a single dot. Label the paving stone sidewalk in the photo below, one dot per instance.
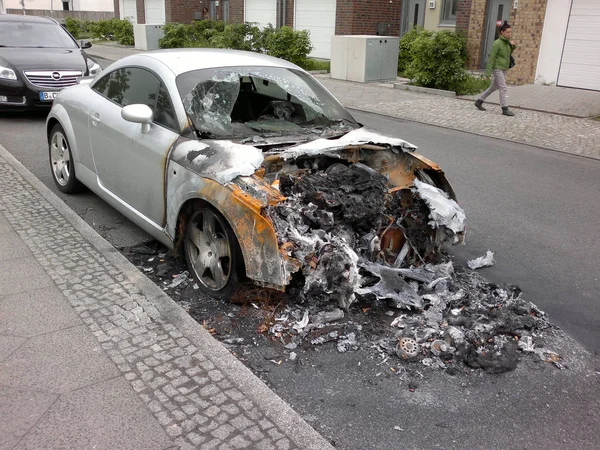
(580, 136)
(94, 355)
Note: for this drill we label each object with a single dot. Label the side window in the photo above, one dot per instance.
(164, 114)
(129, 86)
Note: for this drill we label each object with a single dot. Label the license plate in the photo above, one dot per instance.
(48, 96)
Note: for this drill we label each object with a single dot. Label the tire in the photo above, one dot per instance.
(212, 252)
(61, 162)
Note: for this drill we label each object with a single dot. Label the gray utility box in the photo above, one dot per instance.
(364, 58)
(146, 36)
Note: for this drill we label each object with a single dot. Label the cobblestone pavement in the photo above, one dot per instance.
(199, 393)
(553, 99)
(567, 134)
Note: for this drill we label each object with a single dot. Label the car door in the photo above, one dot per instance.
(130, 163)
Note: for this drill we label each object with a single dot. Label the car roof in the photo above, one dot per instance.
(188, 59)
(24, 18)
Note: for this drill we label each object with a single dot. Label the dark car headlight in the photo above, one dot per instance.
(7, 73)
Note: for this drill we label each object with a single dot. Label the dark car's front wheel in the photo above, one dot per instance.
(212, 252)
(61, 161)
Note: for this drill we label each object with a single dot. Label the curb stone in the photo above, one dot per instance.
(154, 299)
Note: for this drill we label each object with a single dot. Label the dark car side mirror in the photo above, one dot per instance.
(85, 44)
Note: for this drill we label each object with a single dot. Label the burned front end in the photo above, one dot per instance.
(354, 215)
(308, 192)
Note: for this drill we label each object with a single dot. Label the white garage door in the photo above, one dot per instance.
(318, 17)
(263, 12)
(580, 64)
(155, 12)
(128, 10)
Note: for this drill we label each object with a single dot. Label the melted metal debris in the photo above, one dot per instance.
(334, 220)
(466, 322)
(483, 261)
(354, 137)
(444, 211)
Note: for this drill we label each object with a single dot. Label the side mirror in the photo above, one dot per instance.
(85, 44)
(138, 114)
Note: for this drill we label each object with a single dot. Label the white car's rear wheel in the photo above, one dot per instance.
(212, 252)
(61, 161)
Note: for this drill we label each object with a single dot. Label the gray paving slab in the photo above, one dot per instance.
(20, 410)
(199, 393)
(107, 415)
(58, 362)
(11, 247)
(4, 225)
(22, 274)
(36, 312)
(8, 344)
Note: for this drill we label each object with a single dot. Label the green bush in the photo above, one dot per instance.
(406, 53)
(473, 85)
(76, 27)
(438, 60)
(289, 44)
(244, 36)
(285, 42)
(113, 30)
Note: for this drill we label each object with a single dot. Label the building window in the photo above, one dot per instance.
(449, 12)
(66, 6)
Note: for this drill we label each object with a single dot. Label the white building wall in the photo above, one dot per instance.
(77, 5)
(553, 40)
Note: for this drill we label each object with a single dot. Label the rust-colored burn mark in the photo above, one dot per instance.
(392, 241)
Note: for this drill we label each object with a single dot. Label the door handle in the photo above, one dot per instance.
(95, 118)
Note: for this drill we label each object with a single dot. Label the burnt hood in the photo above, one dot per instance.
(22, 59)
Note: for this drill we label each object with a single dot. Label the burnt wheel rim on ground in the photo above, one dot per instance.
(208, 249)
(60, 156)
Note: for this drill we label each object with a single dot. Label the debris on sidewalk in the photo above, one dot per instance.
(483, 261)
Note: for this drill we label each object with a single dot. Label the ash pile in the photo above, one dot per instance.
(356, 238)
(465, 323)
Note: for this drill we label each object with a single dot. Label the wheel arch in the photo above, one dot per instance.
(263, 261)
(59, 116)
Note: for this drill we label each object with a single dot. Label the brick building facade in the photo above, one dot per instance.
(527, 22)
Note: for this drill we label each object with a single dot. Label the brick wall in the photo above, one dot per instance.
(141, 11)
(236, 11)
(463, 14)
(364, 16)
(475, 33)
(527, 23)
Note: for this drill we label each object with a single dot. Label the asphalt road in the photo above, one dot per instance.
(539, 212)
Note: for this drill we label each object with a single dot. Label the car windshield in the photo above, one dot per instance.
(242, 102)
(29, 34)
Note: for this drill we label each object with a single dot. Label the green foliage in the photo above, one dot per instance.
(438, 60)
(285, 42)
(473, 85)
(317, 64)
(113, 30)
(289, 44)
(76, 27)
(406, 53)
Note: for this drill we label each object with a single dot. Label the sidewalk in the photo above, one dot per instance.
(93, 355)
(546, 122)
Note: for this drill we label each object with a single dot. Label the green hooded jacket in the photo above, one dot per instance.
(500, 55)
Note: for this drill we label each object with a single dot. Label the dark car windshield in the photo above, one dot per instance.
(239, 102)
(34, 34)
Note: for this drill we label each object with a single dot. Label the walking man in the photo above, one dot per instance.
(497, 65)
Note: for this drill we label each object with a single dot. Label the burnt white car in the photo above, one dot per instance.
(255, 168)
